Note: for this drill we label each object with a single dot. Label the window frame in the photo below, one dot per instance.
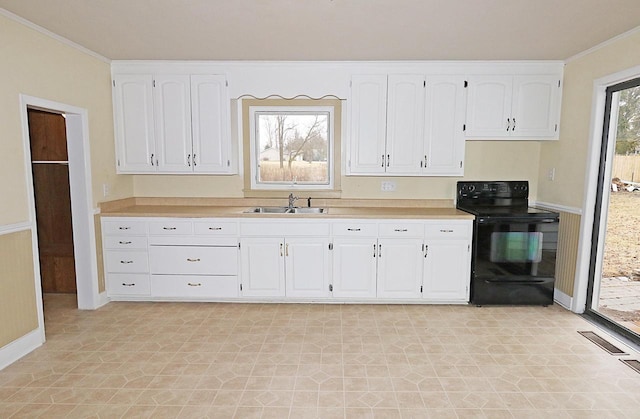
(255, 110)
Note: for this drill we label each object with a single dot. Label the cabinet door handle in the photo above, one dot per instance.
(193, 260)
(194, 160)
(168, 228)
(215, 228)
(425, 161)
(124, 284)
(383, 160)
(152, 159)
(374, 250)
(426, 250)
(124, 228)
(126, 262)
(508, 124)
(194, 284)
(281, 249)
(379, 250)
(189, 160)
(286, 250)
(400, 230)
(446, 231)
(353, 229)
(388, 159)
(122, 242)
(513, 128)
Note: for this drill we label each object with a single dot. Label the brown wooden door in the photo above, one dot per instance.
(47, 133)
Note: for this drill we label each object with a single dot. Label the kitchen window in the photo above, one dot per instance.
(291, 144)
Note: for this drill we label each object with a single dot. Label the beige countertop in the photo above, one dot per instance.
(131, 208)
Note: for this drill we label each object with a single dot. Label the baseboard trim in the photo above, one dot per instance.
(562, 299)
(20, 347)
(103, 299)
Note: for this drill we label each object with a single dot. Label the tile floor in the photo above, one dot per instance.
(193, 360)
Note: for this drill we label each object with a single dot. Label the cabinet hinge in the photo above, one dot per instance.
(226, 83)
(558, 83)
(461, 164)
(349, 163)
(118, 162)
(556, 127)
(114, 83)
(466, 84)
(464, 127)
(350, 83)
(330, 246)
(240, 287)
(420, 288)
(468, 248)
(228, 163)
(238, 245)
(424, 83)
(331, 287)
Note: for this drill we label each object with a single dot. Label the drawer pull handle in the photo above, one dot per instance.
(125, 262)
(193, 260)
(400, 230)
(215, 228)
(353, 229)
(122, 242)
(168, 228)
(194, 284)
(124, 228)
(446, 231)
(124, 284)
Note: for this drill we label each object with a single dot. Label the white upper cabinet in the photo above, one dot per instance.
(210, 116)
(133, 118)
(172, 106)
(172, 124)
(368, 124)
(405, 123)
(508, 106)
(443, 153)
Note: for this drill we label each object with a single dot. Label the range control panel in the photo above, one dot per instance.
(495, 189)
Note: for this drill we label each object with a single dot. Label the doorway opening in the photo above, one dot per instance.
(52, 196)
(613, 293)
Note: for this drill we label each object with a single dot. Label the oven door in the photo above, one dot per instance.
(514, 260)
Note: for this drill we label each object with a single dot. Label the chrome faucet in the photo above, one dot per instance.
(292, 199)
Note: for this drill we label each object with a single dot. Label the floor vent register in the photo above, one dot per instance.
(602, 343)
(633, 363)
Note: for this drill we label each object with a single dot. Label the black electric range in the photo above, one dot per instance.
(514, 245)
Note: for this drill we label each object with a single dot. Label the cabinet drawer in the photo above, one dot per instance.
(124, 227)
(355, 229)
(170, 228)
(213, 228)
(125, 242)
(195, 286)
(127, 261)
(401, 230)
(193, 260)
(128, 284)
(448, 231)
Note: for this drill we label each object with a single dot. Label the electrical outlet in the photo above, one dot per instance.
(551, 174)
(388, 186)
(106, 190)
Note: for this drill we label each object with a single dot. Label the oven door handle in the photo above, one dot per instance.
(522, 220)
(499, 281)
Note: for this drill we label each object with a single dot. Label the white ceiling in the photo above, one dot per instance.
(333, 29)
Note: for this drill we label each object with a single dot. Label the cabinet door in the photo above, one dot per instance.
(447, 271)
(172, 109)
(307, 267)
(354, 267)
(405, 123)
(489, 106)
(368, 124)
(400, 263)
(133, 115)
(262, 267)
(444, 126)
(535, 108)
(210, 113)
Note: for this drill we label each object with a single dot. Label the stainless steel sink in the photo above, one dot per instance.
(268, 210)
(308, 210)
(285, 210)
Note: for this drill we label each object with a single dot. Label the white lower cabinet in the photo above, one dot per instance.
(262, 261)
(307, 267)
(354, 267)
(400, 263)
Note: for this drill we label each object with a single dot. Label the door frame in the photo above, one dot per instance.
(581, 282)
(84, 235)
